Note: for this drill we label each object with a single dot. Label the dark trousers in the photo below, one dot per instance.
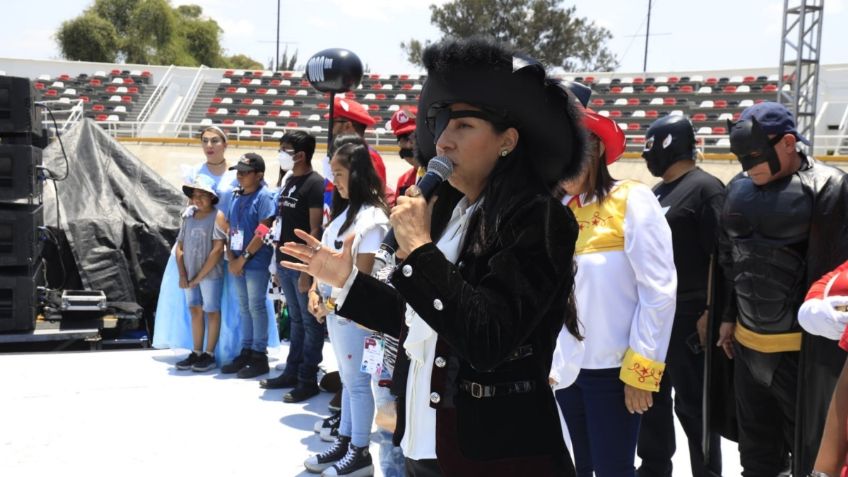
(765, 407)
(423, 468)
(602, 432)
(685, 372)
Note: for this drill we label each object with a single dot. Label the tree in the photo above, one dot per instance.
(554, 35)
(146, 32)
(243, 62)
(88, 38)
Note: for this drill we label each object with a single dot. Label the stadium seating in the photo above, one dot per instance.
(107, 97)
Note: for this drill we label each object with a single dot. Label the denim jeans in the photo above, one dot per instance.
(603, 432)
(251, 289)
(357, 400)
(207, 293)
(307, 335)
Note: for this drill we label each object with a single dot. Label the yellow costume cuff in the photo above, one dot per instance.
(641, 372)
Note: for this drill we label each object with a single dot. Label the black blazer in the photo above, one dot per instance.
(497, 316)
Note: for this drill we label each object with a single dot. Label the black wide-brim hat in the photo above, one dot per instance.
(491, 76)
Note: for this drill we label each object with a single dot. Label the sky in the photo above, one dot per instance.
(685, 34)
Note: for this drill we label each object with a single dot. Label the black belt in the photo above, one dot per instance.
(480, 391)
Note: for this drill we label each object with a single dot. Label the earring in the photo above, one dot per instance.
(504, 152)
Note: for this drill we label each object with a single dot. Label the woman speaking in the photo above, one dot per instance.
(485, 270)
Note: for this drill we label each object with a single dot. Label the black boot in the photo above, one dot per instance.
(239, 362)
(301, 392)
(282, 381)
(257, 366)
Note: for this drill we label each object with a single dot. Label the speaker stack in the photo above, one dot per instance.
(21, 212)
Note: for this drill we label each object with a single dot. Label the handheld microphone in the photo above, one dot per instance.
(438, 170)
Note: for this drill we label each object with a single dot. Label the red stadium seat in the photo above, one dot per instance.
(673, 79)
(287, 74)
(245, 81)
(406, 87)
(51, 92)
(111, 89)
(639, 140)
(651, 113)
(615, 90)
(260, 122)
(597, 102)
(719, 130)
(669, 101)
(380, 96)
(261, 91)
(615, 113)
(228, 73)
(720, 103)
(699, 117)
(63, 77)
(374, 76)
(247, 101)
(126, 99)
(730, 88)
(278, 102)
(257, 73)
(295, 114)
(101, 117)
(650, 89)
(377, 86)
(711, 81)
(228, 121)
(749, 79)
(276, 82)
(98, 107)
(291, 124)
(116, 72)
(736, 116)
(39, 86)
(686, 89)
(291, 92)
(323, 106)
(242, 112)
(632, 101)
(589, 80)
(211, 110)
(95, 82)
(273, 113)
(304, 83)
(633, 127)
(403, 77)
(85, 99)
(133, 90)
(129, 80)
(638, 80)
(373, 107)
(769, 88)
(231, 90)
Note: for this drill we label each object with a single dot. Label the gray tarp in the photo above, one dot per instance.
(119, 216)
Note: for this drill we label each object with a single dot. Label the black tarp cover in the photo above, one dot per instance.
(119, 216)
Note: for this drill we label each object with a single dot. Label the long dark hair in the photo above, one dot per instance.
(600, 179)
(364, 185)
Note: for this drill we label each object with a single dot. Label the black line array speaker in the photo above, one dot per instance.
(19, 297)
(21, 212)
(19, 174)
(17, 108)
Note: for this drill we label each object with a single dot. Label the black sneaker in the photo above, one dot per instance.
(328, 423)
(257, 366)
(188, 362)
(319, 462)
(204, 363)
(239, 362)
(356, 463)
(329, 434)
(301, 392)
(280, 382)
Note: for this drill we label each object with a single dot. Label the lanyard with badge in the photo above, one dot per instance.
(236, 234)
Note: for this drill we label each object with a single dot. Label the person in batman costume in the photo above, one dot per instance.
(781, 229)
(692, 200)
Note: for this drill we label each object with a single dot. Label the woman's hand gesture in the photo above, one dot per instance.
(324, 264)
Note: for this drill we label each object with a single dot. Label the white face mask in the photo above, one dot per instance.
(286, 161)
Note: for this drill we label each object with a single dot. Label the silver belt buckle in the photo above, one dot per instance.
(477, 390)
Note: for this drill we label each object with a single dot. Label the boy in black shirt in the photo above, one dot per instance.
(300, 207)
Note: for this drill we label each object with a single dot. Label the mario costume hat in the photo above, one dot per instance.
(512, 90)
(403, 121)
(352, 111)
(250, 162)
(608, 132)
(203, 183)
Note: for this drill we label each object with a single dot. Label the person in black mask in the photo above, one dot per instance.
(782, 227)
(403, 127)
(692, 199)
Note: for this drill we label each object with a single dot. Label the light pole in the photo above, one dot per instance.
(277, 56)
(647, 34)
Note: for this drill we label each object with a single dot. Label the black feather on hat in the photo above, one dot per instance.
(491, 76)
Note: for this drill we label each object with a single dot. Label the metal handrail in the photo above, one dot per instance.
(155, 96)
(188, 100)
